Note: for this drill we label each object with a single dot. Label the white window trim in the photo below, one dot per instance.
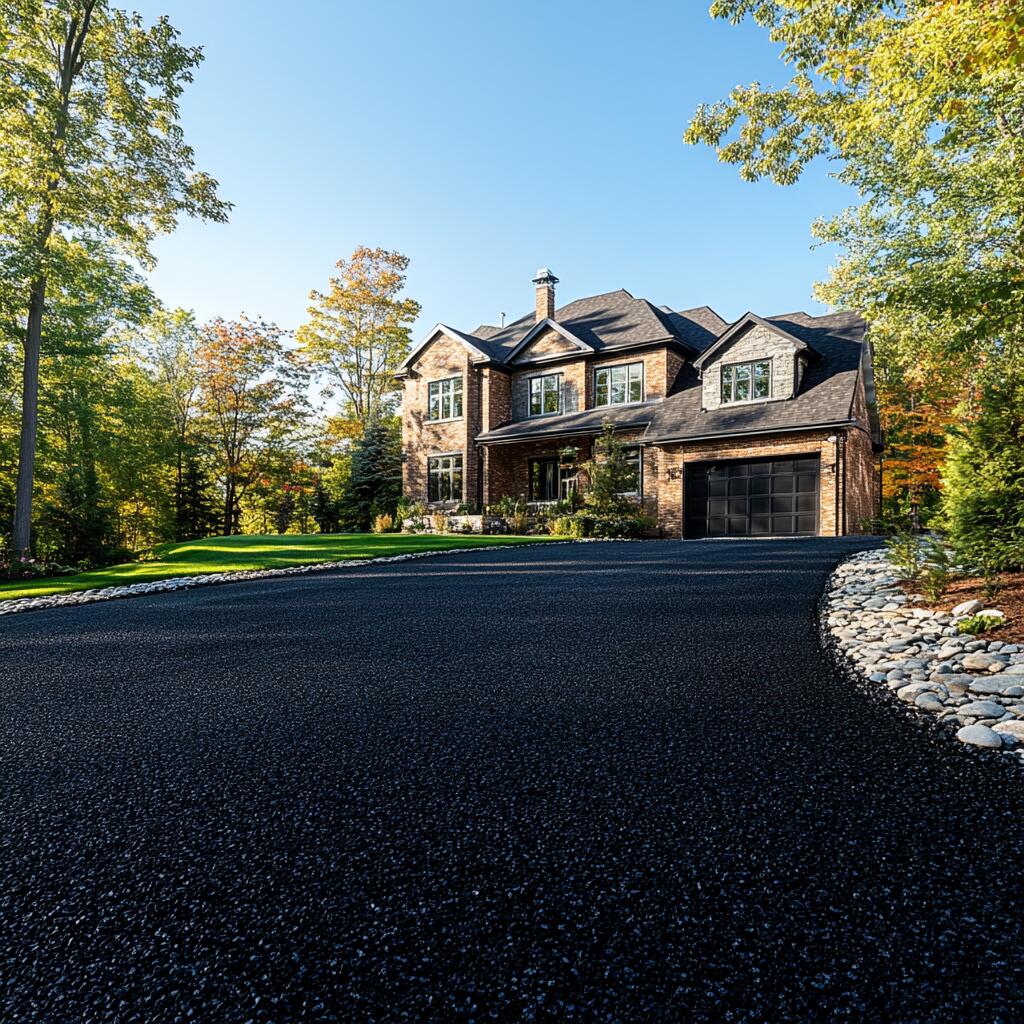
(639, 492)
(530, 415)
(447, 419)
(751, 363)
(615, 366)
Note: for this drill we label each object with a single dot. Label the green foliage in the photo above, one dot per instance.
(938, 569)
(919, 106)
(358, 333)
(375, 477)
(906, 554)
(978, 624)
(983, 494)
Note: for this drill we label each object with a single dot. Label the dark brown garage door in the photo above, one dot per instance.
(752, 497)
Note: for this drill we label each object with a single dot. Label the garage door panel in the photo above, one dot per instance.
(752, 497)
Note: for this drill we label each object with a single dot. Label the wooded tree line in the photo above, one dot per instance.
(122, 423)
(169, 429)
(920, 107)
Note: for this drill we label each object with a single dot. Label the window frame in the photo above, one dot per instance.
(452, 469)
(751, 366)
(452, 394)
(609, 370)
(566, 479)
(639, 492)
(542, 377)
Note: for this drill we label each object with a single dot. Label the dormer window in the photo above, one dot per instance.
(746, 382)
(546, 394)
(444, 399)
(619, 385)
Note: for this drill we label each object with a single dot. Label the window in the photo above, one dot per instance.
(444, 399)
(444, 478)
(550, 480)
(746, 382)
(617, 385)
(634, 457)
(546, 394)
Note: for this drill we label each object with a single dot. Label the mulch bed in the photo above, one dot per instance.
(1010, 600)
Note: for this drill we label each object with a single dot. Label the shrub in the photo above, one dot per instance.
(977, 624)
(937, 569)
(439, 521)
(383, 523)
(906, 555)
(983, 478)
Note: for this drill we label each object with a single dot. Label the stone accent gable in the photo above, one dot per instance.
(548, 343)
(757, 343)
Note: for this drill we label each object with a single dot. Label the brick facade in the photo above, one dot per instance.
(493, 397)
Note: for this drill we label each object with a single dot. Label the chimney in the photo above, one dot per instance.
(545, 282)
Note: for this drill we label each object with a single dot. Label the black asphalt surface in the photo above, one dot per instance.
(608, 782)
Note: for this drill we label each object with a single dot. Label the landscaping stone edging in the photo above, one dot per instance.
(973, 687)
(12, 606)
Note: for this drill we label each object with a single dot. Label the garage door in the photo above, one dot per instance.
(752, 497)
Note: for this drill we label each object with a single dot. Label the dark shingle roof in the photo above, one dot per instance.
(588, 422)
(825, 396)
(609, 321)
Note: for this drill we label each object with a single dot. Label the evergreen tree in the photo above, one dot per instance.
(324, 509)
(80, 519)
(375, 481)
(195, 505)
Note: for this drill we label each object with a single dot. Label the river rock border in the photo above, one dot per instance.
(29, 604)
(974, 687)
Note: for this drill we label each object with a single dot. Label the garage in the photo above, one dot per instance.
(752, 497)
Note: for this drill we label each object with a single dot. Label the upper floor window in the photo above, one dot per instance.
(444, 399)
(617, 385)
(444, 478)
(546, 394)
(746, 382)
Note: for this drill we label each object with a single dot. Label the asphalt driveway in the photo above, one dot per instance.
(610, 782)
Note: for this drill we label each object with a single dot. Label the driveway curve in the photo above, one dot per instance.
(609, 782)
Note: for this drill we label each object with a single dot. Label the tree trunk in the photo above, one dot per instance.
(22, 533)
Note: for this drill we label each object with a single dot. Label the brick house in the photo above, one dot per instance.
(765, 426)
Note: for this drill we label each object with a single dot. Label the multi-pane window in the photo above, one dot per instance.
(444, 399)
(550, 480)
(746, 382)
(444, 478)
(545, 394)
(634, 479)
(617, 385)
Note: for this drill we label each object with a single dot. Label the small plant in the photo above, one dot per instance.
(439, 521)
(937, 569)
(518, 522)
(466, 508)
(977, 624)
(383, 523)
(907, 556)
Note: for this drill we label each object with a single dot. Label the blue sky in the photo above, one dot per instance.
(483, 140)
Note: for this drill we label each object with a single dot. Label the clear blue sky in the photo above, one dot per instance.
(483, 140)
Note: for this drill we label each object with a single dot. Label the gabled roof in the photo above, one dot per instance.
(825, 397)
(746, 321)
(472, 344)
(553, 325)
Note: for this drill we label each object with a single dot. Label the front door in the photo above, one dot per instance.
(550, 480)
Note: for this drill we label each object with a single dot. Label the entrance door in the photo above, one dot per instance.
(752, 497)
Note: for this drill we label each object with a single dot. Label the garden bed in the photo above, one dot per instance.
(1009, 600)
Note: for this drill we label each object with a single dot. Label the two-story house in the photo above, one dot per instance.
(762, 427)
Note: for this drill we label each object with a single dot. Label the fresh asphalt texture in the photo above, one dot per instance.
(607, 782)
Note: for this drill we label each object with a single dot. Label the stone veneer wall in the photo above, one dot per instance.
(757, 343)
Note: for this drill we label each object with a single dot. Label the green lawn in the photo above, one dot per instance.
(230, 554)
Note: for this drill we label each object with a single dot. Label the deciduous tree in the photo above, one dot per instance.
(358, 333)
(93, 164)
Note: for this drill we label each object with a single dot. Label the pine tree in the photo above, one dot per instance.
(324, 509)
(197, 514)
(375, 481)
